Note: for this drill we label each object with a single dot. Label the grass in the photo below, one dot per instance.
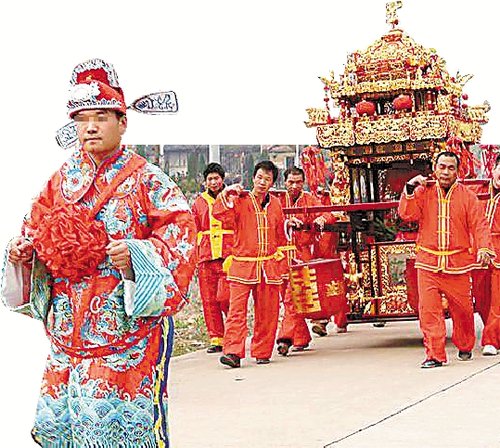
(190, 329)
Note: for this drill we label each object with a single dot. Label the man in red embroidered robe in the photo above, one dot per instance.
(451, 227)
(214, 245)
(294, 330)
(105, 259)
(486, 283)
(258, 223)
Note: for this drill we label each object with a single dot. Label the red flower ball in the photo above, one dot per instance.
(69, 241)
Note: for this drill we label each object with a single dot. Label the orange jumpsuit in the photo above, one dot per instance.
(213, 246)
(452, 229)
(486, 283)
(254, 267)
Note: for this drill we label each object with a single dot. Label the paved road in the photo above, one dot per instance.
(354, 390)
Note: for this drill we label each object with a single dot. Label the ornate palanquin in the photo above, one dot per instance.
(396, 106)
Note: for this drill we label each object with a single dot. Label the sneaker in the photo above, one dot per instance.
(230, 360)
(319, 329)
(299, 348)
(263, 360)
(489, 350)
(430, 364)
(283, 348)
(214, 349)
(464, 356)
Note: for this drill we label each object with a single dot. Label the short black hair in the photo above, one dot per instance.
(214, 167)
(448, 154)
(294, 170)
(266, 165)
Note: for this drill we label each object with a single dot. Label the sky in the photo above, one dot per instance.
(244, 73)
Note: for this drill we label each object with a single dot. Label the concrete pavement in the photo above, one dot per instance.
(354, 390)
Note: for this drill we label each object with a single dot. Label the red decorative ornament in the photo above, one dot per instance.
(465, 96)
(314, 166)
(489, 154)
(68, 240)
(468, 161)
(403, 102)
(365, 108)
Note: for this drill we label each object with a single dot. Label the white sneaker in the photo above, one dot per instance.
(489, 350)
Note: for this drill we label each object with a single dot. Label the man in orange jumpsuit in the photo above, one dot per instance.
(294, 330)
(258, 223)
(449, 217)
(486, 284)
(214, 245)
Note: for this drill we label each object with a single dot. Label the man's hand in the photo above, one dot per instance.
(484, 259)
(120, 255)
(229, 193)
(20, 250)
(418, 180)
(320, 222)
(232, 190)
(294, 223)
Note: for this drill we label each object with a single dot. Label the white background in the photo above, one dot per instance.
(244, 73)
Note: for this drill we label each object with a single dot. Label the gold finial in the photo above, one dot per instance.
(391, 14)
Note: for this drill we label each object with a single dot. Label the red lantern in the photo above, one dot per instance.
(403, 102)
(365, 108)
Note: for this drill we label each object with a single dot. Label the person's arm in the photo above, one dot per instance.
(225, 205)
(164, 263)
(480, 231)
(321, 219)
(410, 206)
(25, 286)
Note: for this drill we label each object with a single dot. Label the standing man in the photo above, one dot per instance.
(214, 245)
(104, 259)
(451, 225)
(294, 330)
(486, 284)
(258, 223)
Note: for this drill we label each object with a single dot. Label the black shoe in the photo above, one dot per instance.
(319, 329)
(263, 360)
(464, 356)
(214, 349)
(283, 348)
(430, 364)
(230, 360)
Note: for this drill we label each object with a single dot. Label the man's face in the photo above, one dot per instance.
(214, 182)
(446, 171)
(294, 184)
(262, 181)
(495, 174)
(99, 131)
